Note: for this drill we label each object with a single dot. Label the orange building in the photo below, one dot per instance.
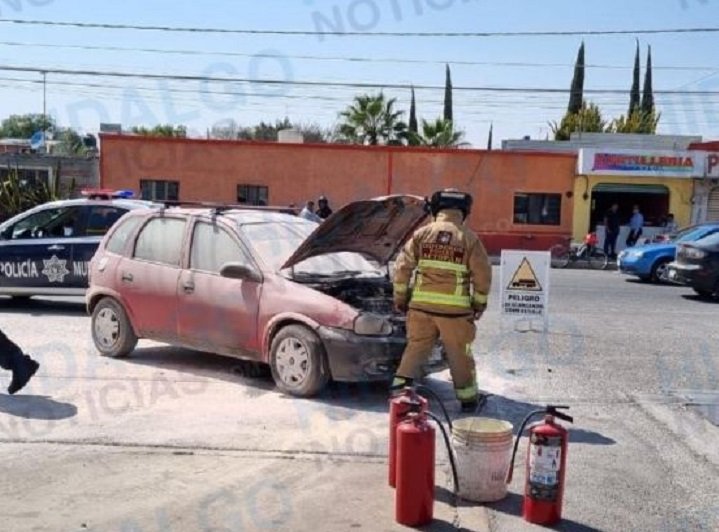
(523, 200)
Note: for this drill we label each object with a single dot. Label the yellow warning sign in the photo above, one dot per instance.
(525, 278)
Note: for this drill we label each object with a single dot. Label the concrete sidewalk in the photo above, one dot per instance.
(142, 488)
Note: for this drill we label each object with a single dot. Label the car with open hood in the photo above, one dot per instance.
(314, 301)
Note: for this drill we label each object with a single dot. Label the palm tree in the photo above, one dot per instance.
(440, 133)
(373, 120)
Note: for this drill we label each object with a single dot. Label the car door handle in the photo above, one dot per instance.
(188, 287)
(127, 277)
(56, 247)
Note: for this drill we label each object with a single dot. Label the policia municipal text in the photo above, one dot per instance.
(452, 279)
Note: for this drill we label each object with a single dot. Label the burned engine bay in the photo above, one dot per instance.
(367, 294)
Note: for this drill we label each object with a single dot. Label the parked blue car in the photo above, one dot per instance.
(649, 261)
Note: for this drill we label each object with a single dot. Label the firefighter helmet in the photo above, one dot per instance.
(450, 198)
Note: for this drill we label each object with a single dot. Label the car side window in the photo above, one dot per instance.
(161, 241)
(101, 218)
(116, 242)
(213, 247)
(62, 222)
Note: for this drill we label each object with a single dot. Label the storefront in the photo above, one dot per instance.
(658, 182)
(705, 200)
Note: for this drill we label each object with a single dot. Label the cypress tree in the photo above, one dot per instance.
(577, 91)
(489, 140)
(413, 115)
(635, 96)
(448, 96)
(648, 96)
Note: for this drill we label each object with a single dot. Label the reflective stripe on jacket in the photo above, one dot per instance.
(452, 270)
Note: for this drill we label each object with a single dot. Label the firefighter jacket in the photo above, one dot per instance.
(453, 273)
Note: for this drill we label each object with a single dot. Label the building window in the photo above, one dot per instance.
(252, 194)
(537, 209)
(160, 190)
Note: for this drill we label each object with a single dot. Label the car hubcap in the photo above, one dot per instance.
(661, 271)
(293, 361)
(107, 328)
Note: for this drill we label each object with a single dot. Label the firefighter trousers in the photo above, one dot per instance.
(457, 334)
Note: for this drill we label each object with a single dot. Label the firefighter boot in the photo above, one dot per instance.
(24, 368)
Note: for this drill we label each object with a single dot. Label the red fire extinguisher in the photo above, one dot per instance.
(546, 466)
(399, 407)
(415, 456)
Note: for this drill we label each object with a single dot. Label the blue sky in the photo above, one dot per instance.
(543, 61)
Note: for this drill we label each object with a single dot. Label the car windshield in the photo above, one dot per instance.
(274, 242)
(710, 241)
(690, 234)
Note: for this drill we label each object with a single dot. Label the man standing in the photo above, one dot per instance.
(636, 224)
(308, 213)
(324, 210)
(453, 277)
(611, 231)
(22, 366)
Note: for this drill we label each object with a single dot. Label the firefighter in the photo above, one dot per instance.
(452, 279)
(22, 366)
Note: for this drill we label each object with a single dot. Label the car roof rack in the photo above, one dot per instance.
(219, 208)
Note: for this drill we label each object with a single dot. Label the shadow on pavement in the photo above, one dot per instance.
(700, 299)
(512, 505)
(36, 407)
(43, 307)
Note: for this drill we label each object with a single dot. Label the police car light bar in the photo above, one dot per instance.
(106, 193)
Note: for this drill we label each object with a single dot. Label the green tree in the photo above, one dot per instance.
(25, 126)
(161, 130)
(267, 131)
(637, 122)
(439, 133)
(372, 120)
(576, 96)
(448, 111)
(648, 95)
(588, 120)
(413, 115)
(635, 96)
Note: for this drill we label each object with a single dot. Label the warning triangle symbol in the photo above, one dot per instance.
(525, 278)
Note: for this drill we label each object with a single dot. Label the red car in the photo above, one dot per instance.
(312, 301)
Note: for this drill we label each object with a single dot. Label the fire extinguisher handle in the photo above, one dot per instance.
(554, 410)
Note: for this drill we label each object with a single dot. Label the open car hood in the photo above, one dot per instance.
(375, 228)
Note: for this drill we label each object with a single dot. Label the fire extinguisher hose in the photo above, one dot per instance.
(447, 443)
(422, 390)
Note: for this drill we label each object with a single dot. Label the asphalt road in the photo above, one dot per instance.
(171, 440)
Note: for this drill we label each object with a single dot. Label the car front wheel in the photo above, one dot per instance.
(659, 270)
(298, 361)
(111, 329)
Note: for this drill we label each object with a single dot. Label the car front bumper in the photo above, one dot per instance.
(355, 358)
(630, 265)
(691, 275)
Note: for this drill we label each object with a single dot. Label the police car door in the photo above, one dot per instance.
(99, 218)
(36, 252)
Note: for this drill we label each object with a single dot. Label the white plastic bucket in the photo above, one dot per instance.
(483, 449)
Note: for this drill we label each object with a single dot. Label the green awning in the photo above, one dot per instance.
(628, 188)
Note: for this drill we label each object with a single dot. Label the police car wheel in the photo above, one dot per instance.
(111, 329)
(298, 361)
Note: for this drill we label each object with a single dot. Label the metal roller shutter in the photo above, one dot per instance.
(713, 205)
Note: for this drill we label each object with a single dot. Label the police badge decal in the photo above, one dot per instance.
(55, 269)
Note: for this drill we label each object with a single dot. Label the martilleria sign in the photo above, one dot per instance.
(641, 163)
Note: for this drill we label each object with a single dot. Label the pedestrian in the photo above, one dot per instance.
(611, 231)
(453, 277)
(13, 359)
(636, 225)
(671, 225)
(308, 213)
(324, 210)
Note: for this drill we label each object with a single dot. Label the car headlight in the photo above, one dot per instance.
(694, 253)
(638, 254)
(367, 324)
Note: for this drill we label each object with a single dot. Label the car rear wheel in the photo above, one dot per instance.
(659, 270)
(111, 329)
(298, 361)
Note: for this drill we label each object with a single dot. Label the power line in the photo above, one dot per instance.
(349, 59)
(318, 83)
(304, 33)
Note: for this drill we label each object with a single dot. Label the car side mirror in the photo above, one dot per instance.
(236, 270)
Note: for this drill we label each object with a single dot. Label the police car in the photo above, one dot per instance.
(46, 250)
